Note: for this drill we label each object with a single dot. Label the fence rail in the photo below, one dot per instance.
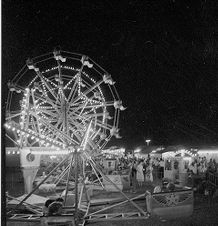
(213, 178)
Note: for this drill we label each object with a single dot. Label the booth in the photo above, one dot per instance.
(109, 164)
(176, 165)
(120, 178)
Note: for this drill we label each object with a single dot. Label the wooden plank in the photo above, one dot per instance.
(117, 219)
(116, 216)
(24, 218)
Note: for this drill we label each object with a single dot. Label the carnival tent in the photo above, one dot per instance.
(143, 151)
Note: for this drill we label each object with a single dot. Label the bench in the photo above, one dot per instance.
(169, 205)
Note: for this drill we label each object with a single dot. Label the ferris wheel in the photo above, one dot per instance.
(55, 98)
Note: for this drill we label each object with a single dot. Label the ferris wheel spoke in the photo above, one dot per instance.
(98, 122)
(57, 123)
(60, 126)
(47, 114)
(46, 100)
(79, 110)
(74, 134)
(105, 142)
(43, 99)
(76, 84)
(76, 125)
(104, 126)
(91, 115)
(101, 104)
(53, 128)
(87, 117)
(69, 83)
(34, 107)
(35, 125)
(43, 114)
(73, 90)
(83, 118)
(84, 107)
(80, 79)
(76, 137)
(60, 83)
(117, 118)
(63, 139)
(45, 84)
(87, 91)
(12, 116)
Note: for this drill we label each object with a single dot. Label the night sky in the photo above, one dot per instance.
(162, 55)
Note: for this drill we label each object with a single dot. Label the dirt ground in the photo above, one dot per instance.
(204, 214)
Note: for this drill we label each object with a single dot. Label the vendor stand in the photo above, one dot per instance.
(176, 165)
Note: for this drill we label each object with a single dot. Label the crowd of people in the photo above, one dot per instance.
(148, 169)
(152, 168)
(200, 165)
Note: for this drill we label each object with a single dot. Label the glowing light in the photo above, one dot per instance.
(49, 152)
(137, 150)
(215, 151)
(182, 151)
(148, 141)
(187, 158)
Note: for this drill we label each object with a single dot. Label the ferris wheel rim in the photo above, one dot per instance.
(78, 100)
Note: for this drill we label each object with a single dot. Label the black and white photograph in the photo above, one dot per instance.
(109, 112)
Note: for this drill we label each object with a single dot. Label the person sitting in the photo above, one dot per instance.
(157, 189)
(171, 187)
(46, 205)
(55, 208)
(165, 182)
(59, 199)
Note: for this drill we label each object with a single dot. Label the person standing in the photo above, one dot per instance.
(133, 176)
(139, 173)
(161, 168)
(149, 174)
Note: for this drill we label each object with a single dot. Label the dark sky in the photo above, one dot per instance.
(162, 55)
